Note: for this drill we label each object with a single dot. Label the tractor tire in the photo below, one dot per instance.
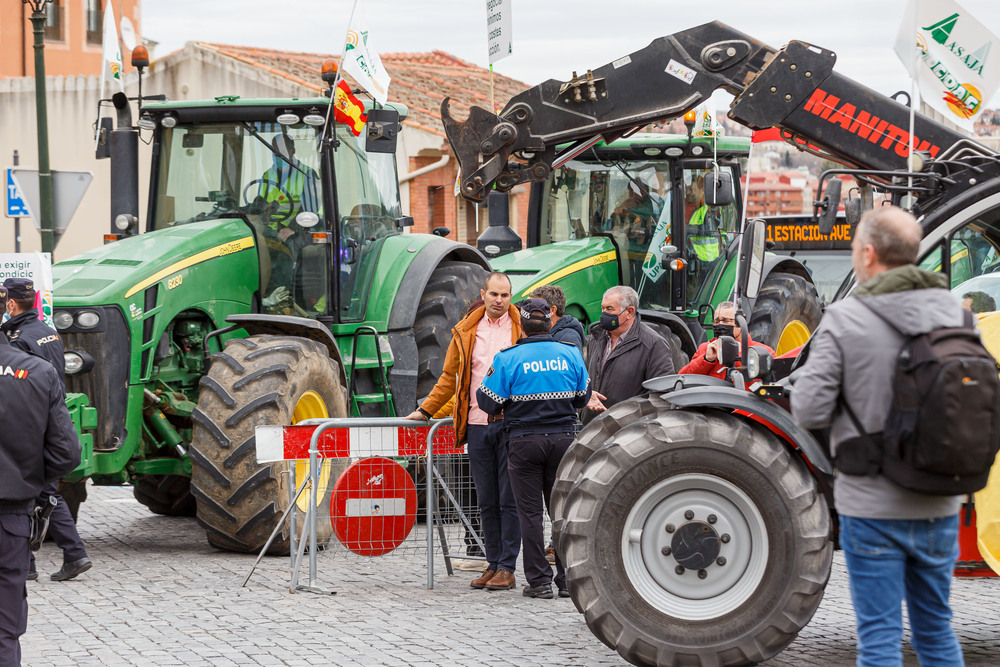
(252, 382)
(697, 539)
(169, 495)
(452, 287)
(73, 494)
(787, 311)
(677, 353)
(595, 435)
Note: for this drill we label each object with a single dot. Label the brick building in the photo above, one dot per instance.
(73, 30)
(779, 193)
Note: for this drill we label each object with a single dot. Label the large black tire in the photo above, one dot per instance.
(693, 488)
(452, 287)
(787, 311)
(169, 495)
(595, 435)
(252, 382)
(677, 353)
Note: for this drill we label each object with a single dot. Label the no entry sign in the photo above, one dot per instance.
(373, 506)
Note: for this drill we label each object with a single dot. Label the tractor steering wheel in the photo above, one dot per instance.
(276, 210)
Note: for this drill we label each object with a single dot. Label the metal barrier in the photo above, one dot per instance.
(366, 524)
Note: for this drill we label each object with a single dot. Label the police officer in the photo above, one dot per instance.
(38, 445)
(25, 331)
(538, 384)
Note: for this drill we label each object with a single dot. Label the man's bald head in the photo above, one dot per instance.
(886, 237)
(893, 233)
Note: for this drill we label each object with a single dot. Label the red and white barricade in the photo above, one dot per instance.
(373, 500)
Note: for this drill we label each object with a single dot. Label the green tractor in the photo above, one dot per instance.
(658, 212)
(250, 299)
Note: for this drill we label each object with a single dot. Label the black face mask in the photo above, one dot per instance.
(723, 330)
(610, 322)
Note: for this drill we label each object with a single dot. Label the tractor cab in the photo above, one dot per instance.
(646, 196)
(266, 166)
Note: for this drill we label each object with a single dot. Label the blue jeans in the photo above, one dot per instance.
(497, 508)
(889, 560)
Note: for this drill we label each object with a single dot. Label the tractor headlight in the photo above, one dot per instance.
(77, 362)
(62, 319)
(758, 362)
(87, 319)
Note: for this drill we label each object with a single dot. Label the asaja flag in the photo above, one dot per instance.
(361, 60)
(948, 52)
(348, 109)
(112, 53)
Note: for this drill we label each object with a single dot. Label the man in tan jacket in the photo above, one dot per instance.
(484, 332)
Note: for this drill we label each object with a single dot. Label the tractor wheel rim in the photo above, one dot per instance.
(311, 406)
(794, 335)
(657, 536)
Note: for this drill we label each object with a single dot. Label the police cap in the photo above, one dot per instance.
(20, 288)
(536, 309)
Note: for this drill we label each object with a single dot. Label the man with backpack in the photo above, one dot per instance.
(899, 543)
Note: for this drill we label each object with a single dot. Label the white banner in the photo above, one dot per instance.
(36, 266)
(652, 264)
(498, 29)
(111, 61)
(362, 61)
(948, 52)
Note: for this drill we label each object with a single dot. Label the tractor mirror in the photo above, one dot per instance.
(852, 210)
(718, 188)
(752, 257)
(382, 130)
(828, 206)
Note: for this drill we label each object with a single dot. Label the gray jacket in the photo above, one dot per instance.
(853, 355)
(641, 354)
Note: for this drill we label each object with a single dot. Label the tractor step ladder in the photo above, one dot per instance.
(382, 378)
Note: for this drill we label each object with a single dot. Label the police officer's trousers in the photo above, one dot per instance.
(532, 461)
(14, 532)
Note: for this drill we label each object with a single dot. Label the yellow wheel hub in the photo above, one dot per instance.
(311, 406)
(796, 333)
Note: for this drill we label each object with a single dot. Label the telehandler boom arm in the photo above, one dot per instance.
(793, 88)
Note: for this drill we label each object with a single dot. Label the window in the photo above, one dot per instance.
(55, 21)
(94, 21)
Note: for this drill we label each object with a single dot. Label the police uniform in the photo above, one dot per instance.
(38, 445)
(539, 384)
(28, 333)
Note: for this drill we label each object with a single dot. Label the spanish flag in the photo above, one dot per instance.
(348, 109)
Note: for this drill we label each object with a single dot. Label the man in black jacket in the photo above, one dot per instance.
(622, 352)
(25, 331)
(38, 445)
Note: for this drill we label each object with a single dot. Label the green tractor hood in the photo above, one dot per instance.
(117, 272)
(592, 260)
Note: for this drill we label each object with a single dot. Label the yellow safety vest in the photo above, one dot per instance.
(706, 247)
(272, 186)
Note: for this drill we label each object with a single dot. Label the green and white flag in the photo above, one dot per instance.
(361, 60)
(111, 61)
(948, 52)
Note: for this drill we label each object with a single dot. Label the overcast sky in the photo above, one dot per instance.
(552, 37)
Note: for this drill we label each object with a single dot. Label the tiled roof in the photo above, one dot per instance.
(419, 80)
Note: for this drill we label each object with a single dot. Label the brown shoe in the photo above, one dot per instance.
(501, 581)
(483, 579)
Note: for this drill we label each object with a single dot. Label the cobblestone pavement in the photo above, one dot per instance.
(159, 595)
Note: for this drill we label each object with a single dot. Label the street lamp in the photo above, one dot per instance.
(44, 174)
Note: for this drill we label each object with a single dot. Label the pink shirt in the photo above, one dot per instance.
(491, 337)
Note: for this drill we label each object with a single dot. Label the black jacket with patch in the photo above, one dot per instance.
(38, 443)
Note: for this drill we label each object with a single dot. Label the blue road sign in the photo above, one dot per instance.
(16, 208)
